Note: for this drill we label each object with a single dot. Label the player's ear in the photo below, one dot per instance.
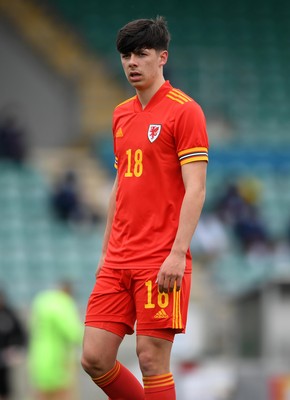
(163, 57)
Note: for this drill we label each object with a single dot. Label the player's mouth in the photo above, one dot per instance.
(134, 76)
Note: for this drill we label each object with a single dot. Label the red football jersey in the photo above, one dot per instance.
(150, 146)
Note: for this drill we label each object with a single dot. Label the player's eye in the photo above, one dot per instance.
(142, 53)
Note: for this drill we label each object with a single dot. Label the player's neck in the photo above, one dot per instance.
(146, 95)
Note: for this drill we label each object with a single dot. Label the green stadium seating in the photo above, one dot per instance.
(36, 252)
(234, 60)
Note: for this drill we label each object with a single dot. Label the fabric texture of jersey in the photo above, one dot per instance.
(150, 146)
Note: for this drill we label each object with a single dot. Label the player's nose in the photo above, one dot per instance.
(133, 59)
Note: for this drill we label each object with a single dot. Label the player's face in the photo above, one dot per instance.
(143, 67)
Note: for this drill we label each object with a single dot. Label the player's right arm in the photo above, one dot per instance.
(110, 217)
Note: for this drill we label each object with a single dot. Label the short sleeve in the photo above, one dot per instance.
(190, 134)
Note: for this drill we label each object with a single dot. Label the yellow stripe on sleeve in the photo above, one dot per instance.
(193, 159)
(192, 150)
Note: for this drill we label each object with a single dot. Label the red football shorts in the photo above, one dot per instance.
(122, 297)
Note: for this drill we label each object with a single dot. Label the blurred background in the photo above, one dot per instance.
(60, 79)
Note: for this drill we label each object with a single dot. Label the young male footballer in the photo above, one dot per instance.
(144, 274)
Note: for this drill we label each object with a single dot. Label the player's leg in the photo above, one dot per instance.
(159, 317)
(100, 348)
(110, 315)
(99, 361)
(154, 360)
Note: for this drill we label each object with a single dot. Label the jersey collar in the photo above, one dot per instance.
(158, 96)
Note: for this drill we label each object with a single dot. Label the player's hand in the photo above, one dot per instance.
(171, 273)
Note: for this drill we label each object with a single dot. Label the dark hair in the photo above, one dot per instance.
(143, 33)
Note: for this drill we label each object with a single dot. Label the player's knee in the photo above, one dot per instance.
(147, 362)
(88, 363)
(151, 362)
(95, 365)
(154, 356)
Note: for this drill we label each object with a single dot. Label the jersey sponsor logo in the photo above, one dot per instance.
(153, 132)
(160, 314)
(119, 133)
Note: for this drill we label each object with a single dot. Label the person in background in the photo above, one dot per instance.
(55, 333)
(238, 209)
(67, 202)
(66, 199)
(13, 141)
(13, 341)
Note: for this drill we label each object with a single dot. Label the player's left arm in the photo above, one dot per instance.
(172, 269)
